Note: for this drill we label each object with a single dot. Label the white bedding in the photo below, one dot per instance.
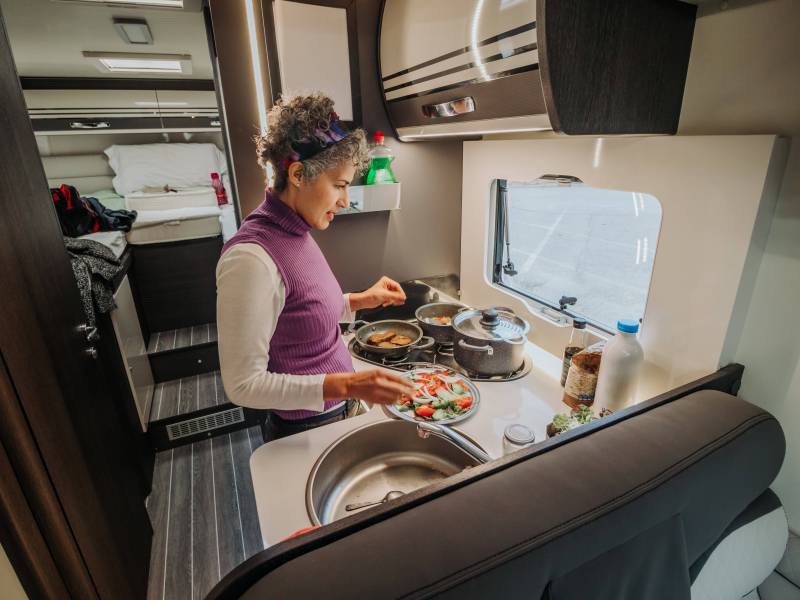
(112, 239)
(177, 165)
(188, 198)
(150, 218)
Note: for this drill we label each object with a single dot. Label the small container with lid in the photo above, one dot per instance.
(577, 342)
(516, 437)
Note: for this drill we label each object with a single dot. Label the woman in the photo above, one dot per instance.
(278, 303)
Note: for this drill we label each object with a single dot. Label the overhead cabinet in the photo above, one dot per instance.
(469, 67)
(55, 111)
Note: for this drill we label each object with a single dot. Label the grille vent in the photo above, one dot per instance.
(199, 425)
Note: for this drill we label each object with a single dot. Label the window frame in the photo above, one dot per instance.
(498, 246)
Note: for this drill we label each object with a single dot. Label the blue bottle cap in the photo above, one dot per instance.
(627, 326)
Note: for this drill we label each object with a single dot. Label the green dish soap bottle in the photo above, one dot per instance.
(380, 162)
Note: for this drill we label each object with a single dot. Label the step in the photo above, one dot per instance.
(183, 352)
(197, 407)
(175, 339)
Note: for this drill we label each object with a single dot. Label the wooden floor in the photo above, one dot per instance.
(181, 396)
(203, 513)
(182, 338)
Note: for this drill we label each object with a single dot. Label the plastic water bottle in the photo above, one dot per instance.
(381, 157)
(622, 361)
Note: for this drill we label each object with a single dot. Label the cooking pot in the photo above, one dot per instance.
(489, 342)
(418, 341)
(443, 334)
(417, 293)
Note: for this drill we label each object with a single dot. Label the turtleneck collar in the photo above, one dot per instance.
(283, 216)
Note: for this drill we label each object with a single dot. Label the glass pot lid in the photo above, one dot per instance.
(492, 324)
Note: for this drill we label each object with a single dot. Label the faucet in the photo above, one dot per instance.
(425, 430)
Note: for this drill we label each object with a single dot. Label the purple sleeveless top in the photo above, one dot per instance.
(307, 339)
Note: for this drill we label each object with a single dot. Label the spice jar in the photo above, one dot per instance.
(516, 437)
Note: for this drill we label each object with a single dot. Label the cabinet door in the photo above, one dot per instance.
(134, 351)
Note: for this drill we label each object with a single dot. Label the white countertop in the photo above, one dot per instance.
(280, 468)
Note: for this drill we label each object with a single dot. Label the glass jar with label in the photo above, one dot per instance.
(577, 342)
(516, 437)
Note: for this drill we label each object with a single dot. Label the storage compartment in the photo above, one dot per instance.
(465, 68)
(62, 111)
(133, 350)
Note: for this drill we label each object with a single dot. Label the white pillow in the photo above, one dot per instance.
(177, 165)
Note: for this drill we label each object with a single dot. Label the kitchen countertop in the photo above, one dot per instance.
(280, 468)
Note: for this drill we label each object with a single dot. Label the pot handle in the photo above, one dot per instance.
(424, 343)
(488, 349)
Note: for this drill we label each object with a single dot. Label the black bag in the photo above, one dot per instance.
(79, 216)
(73, 215)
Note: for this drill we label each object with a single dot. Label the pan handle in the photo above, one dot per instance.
(356, 325)
(424, 343)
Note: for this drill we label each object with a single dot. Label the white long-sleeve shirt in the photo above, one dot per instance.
(250, 297)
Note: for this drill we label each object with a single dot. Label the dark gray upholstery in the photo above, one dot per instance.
(618, 511)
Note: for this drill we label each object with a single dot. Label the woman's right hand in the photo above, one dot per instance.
(375, 386)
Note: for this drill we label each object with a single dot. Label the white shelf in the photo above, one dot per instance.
(371, 198)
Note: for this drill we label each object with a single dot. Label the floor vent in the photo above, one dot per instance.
(199, 425)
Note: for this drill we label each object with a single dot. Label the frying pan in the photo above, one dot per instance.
(418, 341)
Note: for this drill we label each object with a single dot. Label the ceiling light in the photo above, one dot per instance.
(130, 62)
(133, 31)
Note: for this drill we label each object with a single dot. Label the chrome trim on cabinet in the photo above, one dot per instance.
(452, 108)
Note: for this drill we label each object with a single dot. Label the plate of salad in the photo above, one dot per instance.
(442, 396)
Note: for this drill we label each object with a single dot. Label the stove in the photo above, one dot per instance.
(439, 354)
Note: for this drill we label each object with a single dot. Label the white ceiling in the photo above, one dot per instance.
(48, 36)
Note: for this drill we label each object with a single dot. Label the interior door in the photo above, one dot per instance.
(83, 439)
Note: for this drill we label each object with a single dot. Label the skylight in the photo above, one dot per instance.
(136, 65)
(130, 62)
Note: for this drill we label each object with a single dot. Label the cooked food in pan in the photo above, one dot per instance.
(388, 339)
(377, 338)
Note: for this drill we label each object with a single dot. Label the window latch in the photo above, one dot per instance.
(566, 301)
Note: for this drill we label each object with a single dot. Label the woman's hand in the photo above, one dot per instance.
(386, 292)
(377, 386)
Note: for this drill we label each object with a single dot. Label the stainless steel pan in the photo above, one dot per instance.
(418, 341)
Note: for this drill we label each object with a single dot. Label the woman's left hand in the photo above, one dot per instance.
(386, 292)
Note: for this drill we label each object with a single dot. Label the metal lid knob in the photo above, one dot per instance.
(490, 318)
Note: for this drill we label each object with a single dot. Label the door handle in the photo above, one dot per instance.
(89, 125)
(453, 108)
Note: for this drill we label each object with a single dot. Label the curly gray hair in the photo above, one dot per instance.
(294, 119)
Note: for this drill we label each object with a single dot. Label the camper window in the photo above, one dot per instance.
(577, 249)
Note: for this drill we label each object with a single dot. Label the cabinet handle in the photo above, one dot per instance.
(453, 108)
(215, 123)
(89, 125)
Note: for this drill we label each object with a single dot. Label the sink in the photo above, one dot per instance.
(374, 459)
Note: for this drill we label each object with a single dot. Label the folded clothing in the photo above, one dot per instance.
(114, 240)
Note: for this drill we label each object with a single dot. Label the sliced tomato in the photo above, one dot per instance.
(464, 402)
(425, 411)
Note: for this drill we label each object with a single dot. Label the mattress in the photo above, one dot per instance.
(156, 226)
(188, 198)
(115, 240)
